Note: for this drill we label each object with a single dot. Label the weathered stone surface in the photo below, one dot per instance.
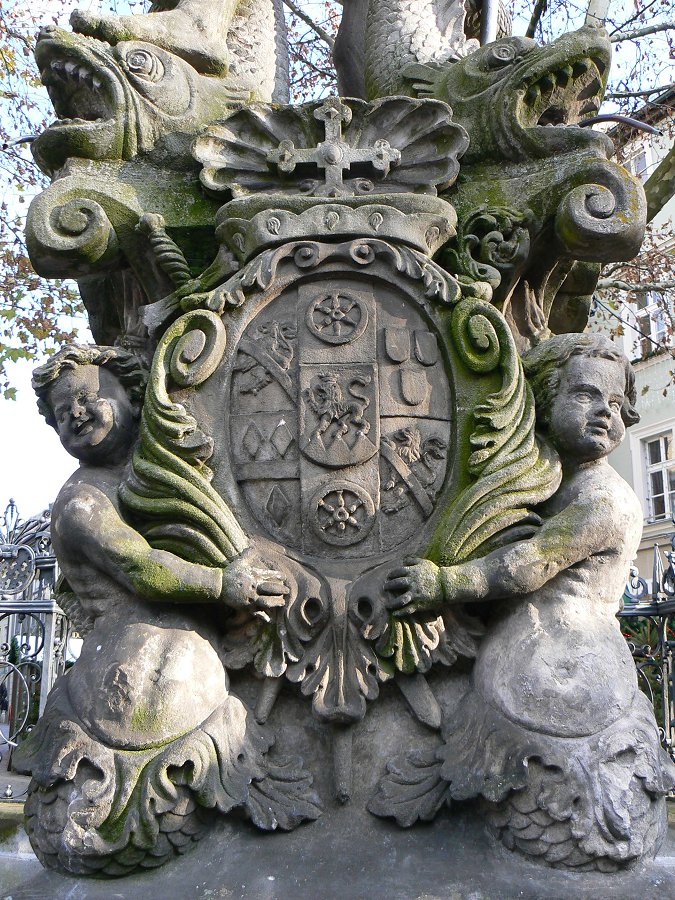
(348, 852)
(318, 314)
(553, 730)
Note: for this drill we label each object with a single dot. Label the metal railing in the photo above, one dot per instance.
(33, 632)
(648, 622)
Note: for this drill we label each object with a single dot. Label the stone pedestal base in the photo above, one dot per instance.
(349, 853)
(347, 857)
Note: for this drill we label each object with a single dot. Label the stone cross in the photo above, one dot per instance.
(333, 154)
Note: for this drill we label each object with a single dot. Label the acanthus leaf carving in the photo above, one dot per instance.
(490, 245)
(169, 487)
(512, 470)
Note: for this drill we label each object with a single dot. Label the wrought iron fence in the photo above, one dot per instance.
(648, 622)
(34, 631)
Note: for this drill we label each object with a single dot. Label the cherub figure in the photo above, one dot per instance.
(554, 731)
(92, 396)
(143, 726)
(583, 391)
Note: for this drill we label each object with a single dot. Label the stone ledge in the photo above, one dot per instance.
(346, 859)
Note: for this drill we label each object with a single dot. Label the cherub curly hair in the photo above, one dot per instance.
(543, 365)
(124, 365)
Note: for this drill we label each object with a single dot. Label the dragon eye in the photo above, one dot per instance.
(145, 65)
(501, 55)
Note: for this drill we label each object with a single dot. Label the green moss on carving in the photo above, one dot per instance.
(510, 471)
(168, 492)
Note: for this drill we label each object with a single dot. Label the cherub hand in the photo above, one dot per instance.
(247, 584)
(414, 586)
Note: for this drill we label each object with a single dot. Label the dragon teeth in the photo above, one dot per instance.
(581, 67)
(546, 83)
(564, 76)
(70, 72)
(57, 70)
(533, 94)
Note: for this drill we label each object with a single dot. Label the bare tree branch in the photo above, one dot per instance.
(641, 288)
(615, 95)
(660, 186)
(641, 32)
(639, 12)
(537, 13)
(324, 73)
(316, 28)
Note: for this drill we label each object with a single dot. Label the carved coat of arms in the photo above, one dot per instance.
(338, 420)
(338, 357)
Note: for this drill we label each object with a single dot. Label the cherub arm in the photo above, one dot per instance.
(582, 529)
(89, 526)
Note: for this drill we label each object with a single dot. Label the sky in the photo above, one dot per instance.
(33, 464)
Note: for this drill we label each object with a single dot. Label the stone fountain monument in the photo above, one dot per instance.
(343, 540)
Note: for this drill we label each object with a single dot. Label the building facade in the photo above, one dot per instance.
(643, 323)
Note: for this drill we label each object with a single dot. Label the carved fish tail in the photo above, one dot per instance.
(563, 838)
(48, 815)
(595, 802)
(95, 809)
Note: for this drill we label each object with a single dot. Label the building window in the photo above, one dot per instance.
(660, 463)
(638, 163)
(653, 320)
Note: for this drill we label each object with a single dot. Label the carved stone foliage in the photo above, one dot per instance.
(104, 802)
(580, 803)
(567, 212)
(170, 489)
(491, 245)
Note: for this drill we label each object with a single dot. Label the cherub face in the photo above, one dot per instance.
(94, 417)
(585, 417)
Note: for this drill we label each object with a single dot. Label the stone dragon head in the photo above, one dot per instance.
(517, 99)
(115, 102)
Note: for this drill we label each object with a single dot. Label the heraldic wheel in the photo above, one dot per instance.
(342, 513)
(337, 317)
